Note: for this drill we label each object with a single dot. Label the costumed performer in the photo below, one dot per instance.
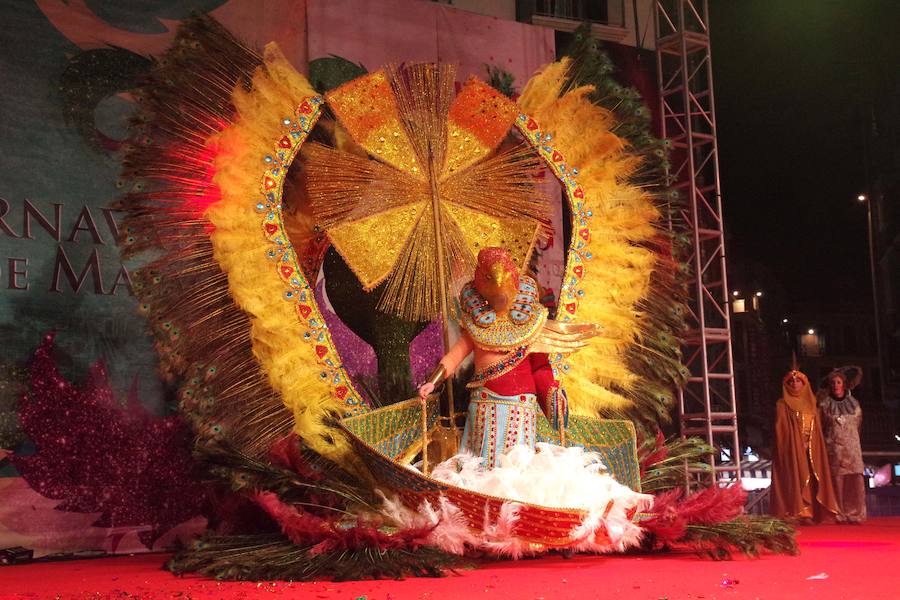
(801, 478)
(508, 330)
(842, 420)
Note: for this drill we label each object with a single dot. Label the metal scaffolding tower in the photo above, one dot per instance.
(684, 69)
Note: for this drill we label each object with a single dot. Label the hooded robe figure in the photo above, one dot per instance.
(801, 477)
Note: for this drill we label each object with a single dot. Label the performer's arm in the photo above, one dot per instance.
(448, 365)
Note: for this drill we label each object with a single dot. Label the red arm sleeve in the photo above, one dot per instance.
(544, 381)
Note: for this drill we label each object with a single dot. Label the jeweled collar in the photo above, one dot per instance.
(525, 319)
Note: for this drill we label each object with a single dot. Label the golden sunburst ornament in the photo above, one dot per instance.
(431, 182)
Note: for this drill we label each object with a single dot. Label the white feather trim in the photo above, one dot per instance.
(554, 477)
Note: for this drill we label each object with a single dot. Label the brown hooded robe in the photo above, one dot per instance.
(801, 477)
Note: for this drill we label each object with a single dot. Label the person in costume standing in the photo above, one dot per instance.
(801, 477)
(508, 330)
(842, 420)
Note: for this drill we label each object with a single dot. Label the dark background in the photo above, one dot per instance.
(797, 84)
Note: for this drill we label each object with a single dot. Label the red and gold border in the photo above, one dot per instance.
(578, 254)
(295, 130)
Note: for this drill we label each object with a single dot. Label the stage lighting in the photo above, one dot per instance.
(811, 332)
(861, 198)
(784, 321)
(878, 477)
(735, 293)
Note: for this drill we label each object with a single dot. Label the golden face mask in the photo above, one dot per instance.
(497, 278)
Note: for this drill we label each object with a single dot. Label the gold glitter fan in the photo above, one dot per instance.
(435, 188)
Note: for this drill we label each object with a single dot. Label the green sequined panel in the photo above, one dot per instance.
(613, 440)
(391, 474)
(392, 429)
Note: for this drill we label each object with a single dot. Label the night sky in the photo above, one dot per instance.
(795, 84)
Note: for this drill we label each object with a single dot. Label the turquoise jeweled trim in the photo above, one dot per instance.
(295, 129)
(525, 320)
(497, 423)
(578, 254)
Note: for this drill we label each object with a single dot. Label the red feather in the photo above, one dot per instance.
(672, 515)
(333, 534)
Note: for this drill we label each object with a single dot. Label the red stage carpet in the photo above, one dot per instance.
(835, 562)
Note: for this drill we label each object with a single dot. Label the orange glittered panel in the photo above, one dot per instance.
(367, 109)
(484, 112)
(364, 104)
(463, 150)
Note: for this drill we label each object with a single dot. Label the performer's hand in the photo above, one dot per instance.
(424, 390)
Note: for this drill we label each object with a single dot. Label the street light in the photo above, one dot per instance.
(864, 198)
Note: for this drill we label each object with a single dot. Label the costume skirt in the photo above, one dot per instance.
(496, 423)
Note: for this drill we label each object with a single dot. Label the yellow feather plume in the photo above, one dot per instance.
(598, 377)
(240, 249)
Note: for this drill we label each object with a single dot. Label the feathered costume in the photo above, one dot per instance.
(233, 235)
(513, 376)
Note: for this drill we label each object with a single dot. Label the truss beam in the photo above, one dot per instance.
(707, 407)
